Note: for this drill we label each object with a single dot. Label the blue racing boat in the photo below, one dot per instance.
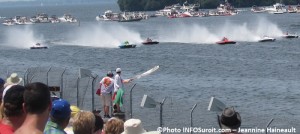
(127, 45)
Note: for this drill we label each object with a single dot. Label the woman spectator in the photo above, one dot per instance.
(114, 126)
(84, 123)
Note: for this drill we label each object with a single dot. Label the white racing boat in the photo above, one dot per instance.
(288, 35)
(266, 39)
(38, 46)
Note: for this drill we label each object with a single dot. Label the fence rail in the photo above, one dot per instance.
(80, 91)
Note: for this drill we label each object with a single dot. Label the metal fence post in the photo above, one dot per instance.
(77, 92)
(131, 100)
(93, 94)
(62, 84)
(24, 78)
(192, 116)
(161, 111)
(47, 75)
(32, 75)
(269, 125)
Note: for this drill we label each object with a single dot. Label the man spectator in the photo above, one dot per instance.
(36, 106)
(230, 120)
(106, 86)
(12, 110)
(119, 90)
(59, 117)
(99, 123)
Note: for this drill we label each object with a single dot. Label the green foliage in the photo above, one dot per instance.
(209, 3)
(151, 5)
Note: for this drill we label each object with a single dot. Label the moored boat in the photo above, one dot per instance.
(277, 8)
(256, 9)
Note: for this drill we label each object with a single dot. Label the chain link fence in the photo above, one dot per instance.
(176, 112)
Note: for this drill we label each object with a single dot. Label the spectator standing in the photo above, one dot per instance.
(2, 82)
(84, 123)
(98, 124)
(37, 106)
(119, 90)
(59, 117)
(12, 110)
(114, 126)
(134, 126)
(13, 79)
(74, 111)
(230, 120)
(106, 86)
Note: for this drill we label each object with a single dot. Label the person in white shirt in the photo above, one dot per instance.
(119, 90)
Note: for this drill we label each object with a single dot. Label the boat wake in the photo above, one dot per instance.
(107, 36)
(21, 37)
(197, 34)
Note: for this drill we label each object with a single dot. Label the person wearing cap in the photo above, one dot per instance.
(13, 79)
(119, 90)
(231, 120)
(12, 110)
(37, 105)
(106, 87)
(59, 117)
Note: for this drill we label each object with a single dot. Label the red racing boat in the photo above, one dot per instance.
(149, 42)
(225, 41)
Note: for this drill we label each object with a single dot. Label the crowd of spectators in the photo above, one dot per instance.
(30, 109)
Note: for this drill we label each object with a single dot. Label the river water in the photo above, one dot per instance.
(261, 80)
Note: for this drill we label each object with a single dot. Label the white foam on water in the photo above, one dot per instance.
(21, 37)
(196, 33)
(103, 35)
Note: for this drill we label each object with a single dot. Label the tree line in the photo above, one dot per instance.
(152, 5)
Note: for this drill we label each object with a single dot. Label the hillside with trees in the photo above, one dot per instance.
(152, 5)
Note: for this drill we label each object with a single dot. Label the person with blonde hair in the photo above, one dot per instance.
(84, 123)
(114, 126)
(74, 111)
